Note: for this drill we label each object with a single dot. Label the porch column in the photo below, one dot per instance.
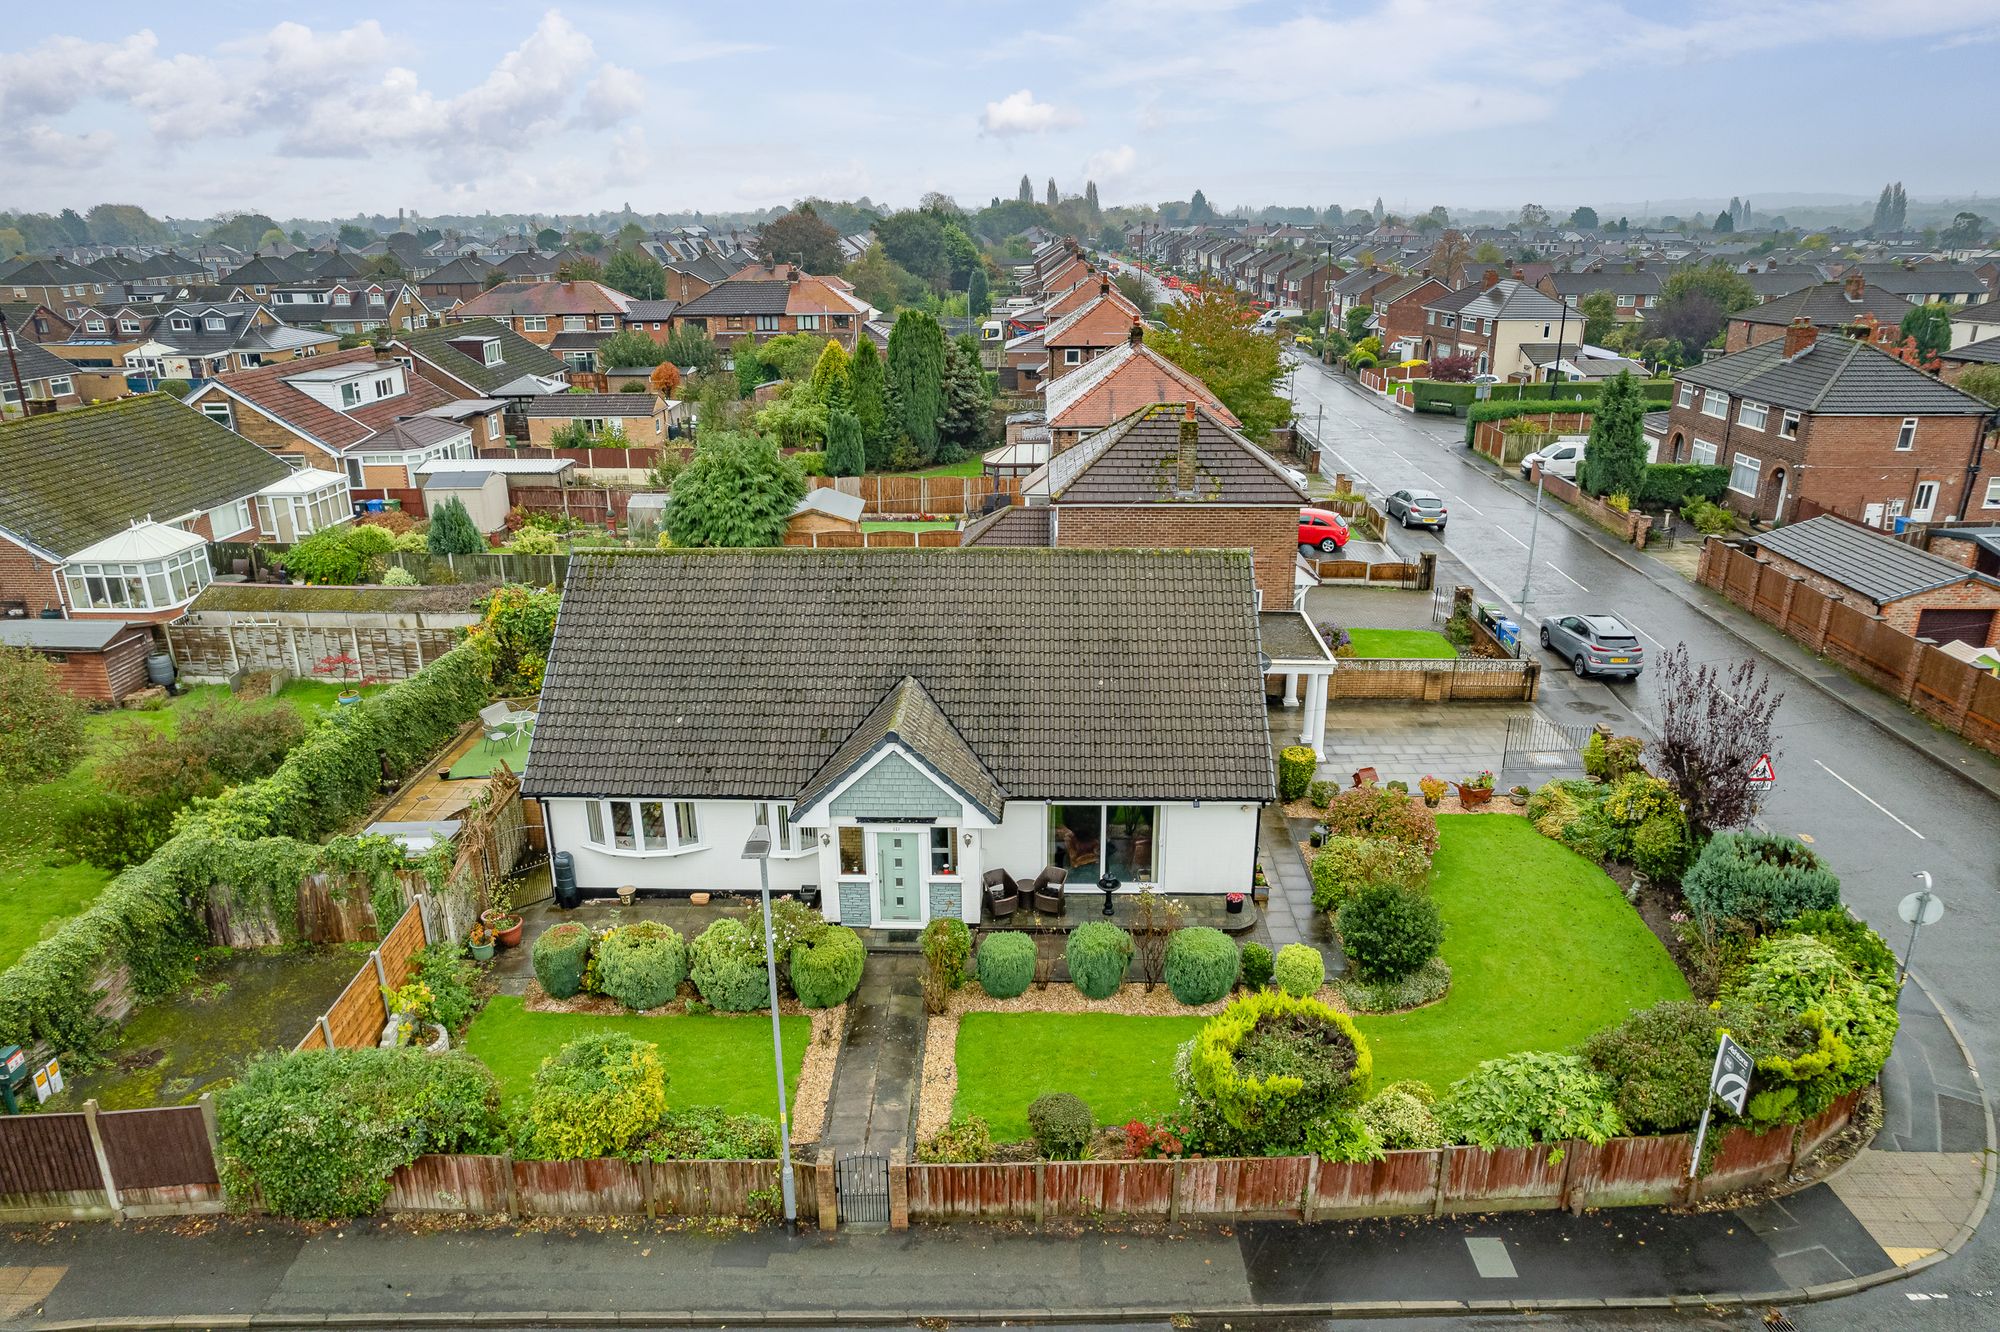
(1316, 716)
(1291, 689)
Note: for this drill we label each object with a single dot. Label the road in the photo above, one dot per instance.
(1875, 807)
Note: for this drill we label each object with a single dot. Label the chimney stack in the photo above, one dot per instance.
(1799, 335)
(1854, 282)
(1104, 284)
(1137, 334)
(1190, 440)
(1489, 279)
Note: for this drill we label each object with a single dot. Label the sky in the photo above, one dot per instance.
(670, 107)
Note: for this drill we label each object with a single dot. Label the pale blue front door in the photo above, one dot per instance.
(899, 882)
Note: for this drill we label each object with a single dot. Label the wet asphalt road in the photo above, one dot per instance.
(1873, 805)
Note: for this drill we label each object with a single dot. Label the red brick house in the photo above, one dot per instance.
(568, 318)
(762, 310)
(1831, 423)
(1830, 307)
(1117, 383)
(1093, 328)
(1914, 591)
(1399, 313)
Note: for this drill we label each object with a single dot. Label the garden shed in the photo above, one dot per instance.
(100, 660)
(484, 495)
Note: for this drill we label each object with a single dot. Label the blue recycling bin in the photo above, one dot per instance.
(374, 506)
(1507, 632)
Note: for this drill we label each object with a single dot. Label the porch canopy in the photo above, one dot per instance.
(1293, 648)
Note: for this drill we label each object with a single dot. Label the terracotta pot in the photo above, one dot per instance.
(699, 899)
(507, 931)
(1473, 796)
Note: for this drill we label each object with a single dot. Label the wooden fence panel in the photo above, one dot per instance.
(478, 1185)
(1809, 611)
(580, 1188)
(48, 1169)
(1745, 1159)
(991, 1192)
(359, 1014)
(709, 1188)
(1629, 1172)
(1400, 1183)
(1942, 681)
(1768, 603)
(1501, 1180)
(1109, 1188)
(1982, 719)
(1246, 1187)
(1814, 1133)
(153, 1148)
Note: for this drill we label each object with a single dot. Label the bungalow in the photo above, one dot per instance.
(1916, 592)
(483, 358)
(50, 381)
(932, 737)
(763, 309)
(616, 420)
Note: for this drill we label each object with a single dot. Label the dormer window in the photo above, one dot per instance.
(215, 323)
(94, 325)
(342, 298)
(128, 326)
(492, 353)
(385, 387)
(180, 325)
(350, 395)
(375, 298)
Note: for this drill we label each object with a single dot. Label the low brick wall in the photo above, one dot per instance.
(1467, 679)
(1630, 528)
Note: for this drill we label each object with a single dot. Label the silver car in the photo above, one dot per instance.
(1417, 508)
(1595, 645)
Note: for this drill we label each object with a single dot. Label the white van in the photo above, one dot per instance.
(1558, 459)
(991, 331)
(1270, 318)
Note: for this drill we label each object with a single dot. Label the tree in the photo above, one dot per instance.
(41, 727)
(1600, 315)
(1452, 369)
(494, 277)
(1199, 209)
(978, 297)
(1724, 223)
(548, 238)
(1355, 322)
(1899, 203)
(846, 451)
(1614, 461)
(452, 531)
(1533, 217)
(628, 350)
(801, 238)
(1981, 381)
(884, 283)
(1583, 218)
(1090, 204)
(665, 379)
(750, 368)
(1377, 213)
(1027, 193)
(125, 224)
(1964, 231)
(737, 490)
(271, 237)
(1134, 289)
(917, 240)
(630, 236)
(637, 274)
(582, 268)
(1210, 336)
(1885, 206)
(1450, 256)
(590, 242)
(868, 392)
(1488, 253)
(238, 230)
(1696, 303)
(1434, 220)
(1930, 326)
(383, 267)
(1713, 728)
(355, 237)
(1053, 198)
(692, 349)
(829, 375)
(967, 402)
(916, 379)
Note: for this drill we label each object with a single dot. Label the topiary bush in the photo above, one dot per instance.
(1389, 932)
(1661, 847)
(1098, 953)
(1521, 1099)
(1375, 812)
(1345, 865)
(595, 1097)
(728, 967)
(947, 943)
(1300, 970)
(1296, 764)
(1260, 1074)
(1659, 1060)
(1763, 879)
(1202, 964)
(559, 955)
(1006, 963)
(1402, 1121)
(1257, 966)
(826, 969)
(641, 965)
(1062, 1126)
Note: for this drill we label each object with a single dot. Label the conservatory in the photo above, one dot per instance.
(147, 567)
(304, 502)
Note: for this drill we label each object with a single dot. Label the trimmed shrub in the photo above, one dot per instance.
(1389, 932)
(1659, 1059)
(1661, 847)
(1379, 813)
(1608, 760)
(1259, 1074)
(1299, 970)
(1521, 1099)
(1202, 964)
(1257, 964)
(1637, 796)
(728, 967)
(827, 968)
(967, 1140)
(1006, 963)
(1763, 879)
(1062, 1125)
(1321, 793)
(1802, 974)
(318, 1134)
(1296, 764)
(595, 1097)
(1427, 984)
(1098, 953)
(1345, 865)
(709, 1133)
(1401, 1122)
(641, 965)
(947, 943)
(559, 955)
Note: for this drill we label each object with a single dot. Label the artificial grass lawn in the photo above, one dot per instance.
(1410, 644)
(912, 525)
(713, 1060)
(480, 760)
(1121, 1066)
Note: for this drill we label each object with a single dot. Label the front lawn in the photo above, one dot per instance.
(713, 1060)
(1408, 644)
(1121, 1066)
(910, 525)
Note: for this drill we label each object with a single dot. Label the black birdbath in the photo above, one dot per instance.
(1109, 887)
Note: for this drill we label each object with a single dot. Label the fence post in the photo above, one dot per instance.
(326, 1032)
(1174, 1193)
(1437, 1181)
(103, 1158)
(1309, 1198)
(1041, 1193)
(899, 1188)
(423, 904)
(513, 1184)
(1911, 670)
(206, 1104)
(381, 972)
(829, 1196)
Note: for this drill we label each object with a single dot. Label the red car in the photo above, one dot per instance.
(1321, 528)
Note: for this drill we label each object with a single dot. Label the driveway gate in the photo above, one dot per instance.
(861, 1188)
(1537, 741)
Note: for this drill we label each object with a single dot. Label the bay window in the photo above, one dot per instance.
(642, 827)
(1091, 841)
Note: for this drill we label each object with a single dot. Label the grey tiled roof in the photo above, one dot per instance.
(672, 675)
(1879, 567)
(1134, 461)
(1015, 525)
(568, 405)
(518, 355)
(1828, 305)
(738, 296)
(1984, 352)
(909, 716)
(1836, 376)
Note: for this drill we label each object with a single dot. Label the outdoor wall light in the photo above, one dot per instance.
(826, 839)
(968, 839)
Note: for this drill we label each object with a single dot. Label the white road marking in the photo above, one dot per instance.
(1470, 505)
(1578, 586)
(1511, 537)
(1648, 637)
(1489, 1258)
(1871, 800)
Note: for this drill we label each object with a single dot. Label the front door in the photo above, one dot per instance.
(1927, 493)
(898, 880)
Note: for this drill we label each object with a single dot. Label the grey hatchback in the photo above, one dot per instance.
(1595, 644)
(1417, 508)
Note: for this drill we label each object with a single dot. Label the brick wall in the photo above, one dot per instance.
(640, 431)
(1272, 534)
(1900, 615)
(279, 438)
(27, 579)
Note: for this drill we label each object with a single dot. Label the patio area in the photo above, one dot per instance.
(460, 774)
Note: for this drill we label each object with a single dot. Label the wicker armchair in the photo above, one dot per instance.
(1002, 894)
(1048, 890)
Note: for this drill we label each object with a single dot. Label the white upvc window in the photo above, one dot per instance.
(1788, 426)
(1625, 302)
(1752, 415)
(93, 325)
(342, 298)
(808, 323)
(785, 839)
(534, 323)
(1744, 473)
(230, 519)
(60, 386)
(350, 395)
(1072, 356)
(643, 827)
(1687, 394)
(767, 323)
(217, 410)
(128, 326)
(493, 426)
(153, 585)
(1992, 500)
(375, 298)
(1704, 453)
(575, 323)
(491, 353)
(215, 323)
(1715, 403)
(607, 323)
(1906, 438)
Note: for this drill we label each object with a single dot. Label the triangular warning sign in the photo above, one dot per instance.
(1762, 772)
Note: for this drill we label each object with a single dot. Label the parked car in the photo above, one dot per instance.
(1322, 528)
(1417, 508)
(1559, 459)
(1595, 644)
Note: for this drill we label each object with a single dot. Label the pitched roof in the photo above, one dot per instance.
(75, 478)
(1135, 460)
(1510, 298)
(647, 310)
(669, 675)
(1015, 525)
(36, 363)
(1103, 322)
(1877, 566)
(1113, 383)
(1828, 305)
(566, 405)
(518, 356)
(34, 271)
(908, 716)
(418, 432)
(513, 299)
(269, 390)
(1984, 352)
(467, 268)
(1835, 376)
(1644, 282)
(738, 296)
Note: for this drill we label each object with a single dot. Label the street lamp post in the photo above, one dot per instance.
(1534, 530)
(758, 848)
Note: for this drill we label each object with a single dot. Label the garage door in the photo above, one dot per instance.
(1956, 626)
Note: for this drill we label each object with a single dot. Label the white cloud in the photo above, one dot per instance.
(1020, 113)
(1111, 163)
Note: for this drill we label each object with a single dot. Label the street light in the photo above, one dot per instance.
(758, 848)
(1535, 527)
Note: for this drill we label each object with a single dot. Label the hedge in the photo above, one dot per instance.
(1430, 394)
(1502, 411)
(1668, 485)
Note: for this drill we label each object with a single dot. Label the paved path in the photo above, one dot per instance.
(1288, 916)
(875, 1084)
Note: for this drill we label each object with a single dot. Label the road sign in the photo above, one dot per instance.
(1732, 1074)
(1924, 908)
(1762, 773)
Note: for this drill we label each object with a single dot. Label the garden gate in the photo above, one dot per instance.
(1539, 742)
(861, 1188)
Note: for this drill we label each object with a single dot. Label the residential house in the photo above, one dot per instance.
(1914, 591)
(762, 310)
(653, 318)
(614, 420)
(1095, 327)
(1493, 324)
(31, 321)
(1115, 384)
(1357, 290)
(571, 319)
(1828, 306)
(260, 275)
(1975, 323)
(483, 359)
(1961, 359)
(527, 266)
(1634, 292)
(108, 511)
(933, 735)
(1920, 284)
(56, 283)
(1829, 422)
(199, 340)
(49, 381)
(1399, 314)
(357, 305)
(451, 285)
(689, 278)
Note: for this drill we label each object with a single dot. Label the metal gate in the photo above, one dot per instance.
(1535, 739)
(861, 1188)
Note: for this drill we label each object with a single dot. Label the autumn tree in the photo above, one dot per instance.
(664, 379)
(1450, 256)
(829, 375)
(1714, 725)
(1696, 303)
(1209, 335)
(800, 237)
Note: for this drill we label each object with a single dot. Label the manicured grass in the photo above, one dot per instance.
(1406, 643)
(889, 525)
(1543, 951)
(973, 466)
(713, 1060)
(1122, 1067)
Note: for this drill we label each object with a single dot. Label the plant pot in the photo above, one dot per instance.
(699, 899)
(482, 952)
(1473, 796)
(1233, 904)
(1519, 801)
(626, 894)
(347, 698)
(507, 931)
(491, 915)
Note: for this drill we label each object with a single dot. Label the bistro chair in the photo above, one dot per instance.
(1048, 890)
(1002, 894)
